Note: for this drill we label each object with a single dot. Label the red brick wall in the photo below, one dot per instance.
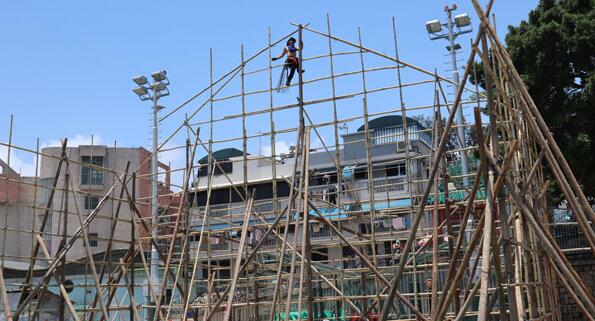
(9, 184)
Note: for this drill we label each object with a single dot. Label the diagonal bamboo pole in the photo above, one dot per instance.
(550, 247)
(238, 261)
(63, 292)
(62, 252)
(43, 225)
(432, 173)
(87, 247)
(557, 158)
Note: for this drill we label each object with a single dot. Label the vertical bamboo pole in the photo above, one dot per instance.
(484, 310)
(555, 156)
(432, 172)
(47, 212)
(210, 173)
(435, 212)
(501, 201)
(370, 171)
(447, 201)
(65, 197)
(244, 138)
(272, 129)
(408, 162)
(289, 209)
(238, 260)
(34, 210)
(5, 227)
(340, 184)
(132, 261)
(305, 262)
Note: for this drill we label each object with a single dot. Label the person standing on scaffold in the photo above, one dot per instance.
(291, 63)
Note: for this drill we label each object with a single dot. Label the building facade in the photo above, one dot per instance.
(398, 170)
(17, 193)
(92, 183)
(87, 185)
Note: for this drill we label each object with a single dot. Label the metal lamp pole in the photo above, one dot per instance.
(453, 30)
(455, 78)
(154, 203)
(153, 92)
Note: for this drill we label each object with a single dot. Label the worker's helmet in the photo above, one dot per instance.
(291, 39)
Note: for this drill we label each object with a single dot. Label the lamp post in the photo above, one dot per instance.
(461, 24)
(153, 92)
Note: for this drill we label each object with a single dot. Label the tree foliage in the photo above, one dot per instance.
(554, 52)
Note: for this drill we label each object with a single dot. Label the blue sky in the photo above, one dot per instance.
(67, 65)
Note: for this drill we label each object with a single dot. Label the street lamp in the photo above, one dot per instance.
(454, 28)
(153, 92)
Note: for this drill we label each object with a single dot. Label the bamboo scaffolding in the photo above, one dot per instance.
(323, 251)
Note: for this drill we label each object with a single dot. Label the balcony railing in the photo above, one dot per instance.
(566, 231)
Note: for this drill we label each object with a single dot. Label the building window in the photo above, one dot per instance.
(387, 135)
(393, 135)
(396, 170)
(93, 239)
(91, 202)
(91, 176)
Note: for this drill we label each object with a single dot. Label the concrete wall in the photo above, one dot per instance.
(115, 160)
(16, 214)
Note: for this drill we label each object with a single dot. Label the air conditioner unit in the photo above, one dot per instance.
(400, 146)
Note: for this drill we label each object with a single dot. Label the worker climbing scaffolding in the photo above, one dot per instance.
(291, 64)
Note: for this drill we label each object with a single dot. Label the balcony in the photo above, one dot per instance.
(566, 231)
(384, 187)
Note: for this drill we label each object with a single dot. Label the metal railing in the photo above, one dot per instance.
(566, 231)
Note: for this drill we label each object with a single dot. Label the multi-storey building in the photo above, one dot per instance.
(16, 215)
(398, 169)
(91, 183)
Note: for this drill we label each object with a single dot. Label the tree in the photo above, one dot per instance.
(453, 139)
(554, 52)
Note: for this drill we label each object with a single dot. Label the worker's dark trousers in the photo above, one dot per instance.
(292, 68)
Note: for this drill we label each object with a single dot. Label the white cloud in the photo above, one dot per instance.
(77, 140)
(24, 162)
(281, 147)
(21, 162)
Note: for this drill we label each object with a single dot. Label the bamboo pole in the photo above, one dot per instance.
(4, 296)
(63, 291)
(557, 158)
(432, 173)
(483, 313)
(550, 247)
(130, 289)
(87, 247)
(238, 260)
(28, 277)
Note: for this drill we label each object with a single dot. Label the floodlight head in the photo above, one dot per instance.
(140, 91)
(451, 8)
(159, 75)
(462, 20)
(140, 80)
(433, 26)
(457, 47)
(159, 86)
